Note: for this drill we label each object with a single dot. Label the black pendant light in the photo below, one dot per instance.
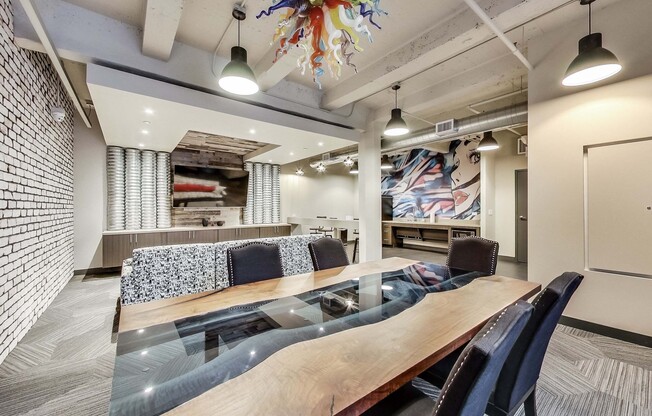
(594, 63)
(396, 125)
(488, 142)
(237, 77)
(385, 163)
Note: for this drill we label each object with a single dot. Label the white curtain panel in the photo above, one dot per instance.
(163, 201)
(258, 194)
(115, 185)
(148, 189)
(132, 189)
(248, 216)
(267, 194)
(276, 194)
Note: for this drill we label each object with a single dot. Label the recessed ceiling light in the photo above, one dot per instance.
(144, 131)
(270, 160)
(291, 153)
(149, 390)
(252, 131)
(320, 144)
(141, 144)
(149, 111)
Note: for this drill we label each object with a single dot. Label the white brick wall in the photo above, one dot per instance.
(36, 187)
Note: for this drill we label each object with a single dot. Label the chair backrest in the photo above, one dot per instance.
(473, 254)
(471, 381)
(327, 253)
(523, 365)
(253, 262)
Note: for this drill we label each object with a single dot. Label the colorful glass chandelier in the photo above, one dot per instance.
(327, 31)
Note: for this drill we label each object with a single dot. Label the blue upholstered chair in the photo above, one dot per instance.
(327, 253)
(474, 374)
(253, 262)
(473, 254)
(516, 384)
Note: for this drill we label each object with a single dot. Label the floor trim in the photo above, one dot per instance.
(97, 271)
(633, 337)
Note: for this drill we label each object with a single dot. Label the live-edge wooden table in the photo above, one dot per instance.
(347, 372)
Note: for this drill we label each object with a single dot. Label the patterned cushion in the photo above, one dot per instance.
(169, 271)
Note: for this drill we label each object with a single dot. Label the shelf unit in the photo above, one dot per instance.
(426, 236)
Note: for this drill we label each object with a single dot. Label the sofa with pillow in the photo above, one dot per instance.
(168, 271)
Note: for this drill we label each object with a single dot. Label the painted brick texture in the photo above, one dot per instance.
(36, 187)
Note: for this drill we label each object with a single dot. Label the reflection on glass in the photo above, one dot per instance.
(175, 362)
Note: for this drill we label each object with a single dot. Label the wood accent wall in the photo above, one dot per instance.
(206, 159)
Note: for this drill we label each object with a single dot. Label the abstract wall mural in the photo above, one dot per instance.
(425, 182)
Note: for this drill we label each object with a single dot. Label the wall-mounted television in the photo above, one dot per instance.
(203, 187)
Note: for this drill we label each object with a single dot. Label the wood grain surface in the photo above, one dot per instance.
(347, 372)
(147, 314)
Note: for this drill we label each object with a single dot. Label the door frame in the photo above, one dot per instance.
(516, 219)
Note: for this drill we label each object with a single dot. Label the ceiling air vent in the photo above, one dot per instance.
(445, 127)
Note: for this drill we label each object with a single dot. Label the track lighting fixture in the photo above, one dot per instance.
(354, 169)
(321, 168)
(385, 163)
(488, 143)
(594, 63)
(348, 162)
(299, 172)
(396, 125)
(237, 77)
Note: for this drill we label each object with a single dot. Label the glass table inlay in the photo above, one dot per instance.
(163, 366)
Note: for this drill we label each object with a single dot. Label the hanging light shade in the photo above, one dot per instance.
(354, 169)
(385, 163)
(237, 77)
(396, 125)
(594, 63)
(488, 143)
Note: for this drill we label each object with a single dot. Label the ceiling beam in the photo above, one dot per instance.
(88, 37)
(37, 23)
(270, 71)
(161, 23)
(458, 91)
(458, 34)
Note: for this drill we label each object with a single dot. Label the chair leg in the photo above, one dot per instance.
(531, 404)
(355, 249)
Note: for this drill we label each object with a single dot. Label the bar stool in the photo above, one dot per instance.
(356, 243)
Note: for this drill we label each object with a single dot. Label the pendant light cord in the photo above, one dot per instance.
(239, 32)
(589, 18)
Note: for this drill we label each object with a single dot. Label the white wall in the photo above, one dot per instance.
(563, 121)
(333, 193)
(90, 194)
(499, 193)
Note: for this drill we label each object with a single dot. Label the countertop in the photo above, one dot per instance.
(192, 228)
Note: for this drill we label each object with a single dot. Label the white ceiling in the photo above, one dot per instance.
(122, 115)
(441, 90)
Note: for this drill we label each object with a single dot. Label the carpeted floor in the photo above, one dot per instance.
(64, 364)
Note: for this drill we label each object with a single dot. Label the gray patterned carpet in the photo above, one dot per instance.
(65, 363)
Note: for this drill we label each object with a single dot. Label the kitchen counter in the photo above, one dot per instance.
(192, 228)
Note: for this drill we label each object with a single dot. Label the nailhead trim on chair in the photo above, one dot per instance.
(443, 394)
(494, 257)
(228, 255)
